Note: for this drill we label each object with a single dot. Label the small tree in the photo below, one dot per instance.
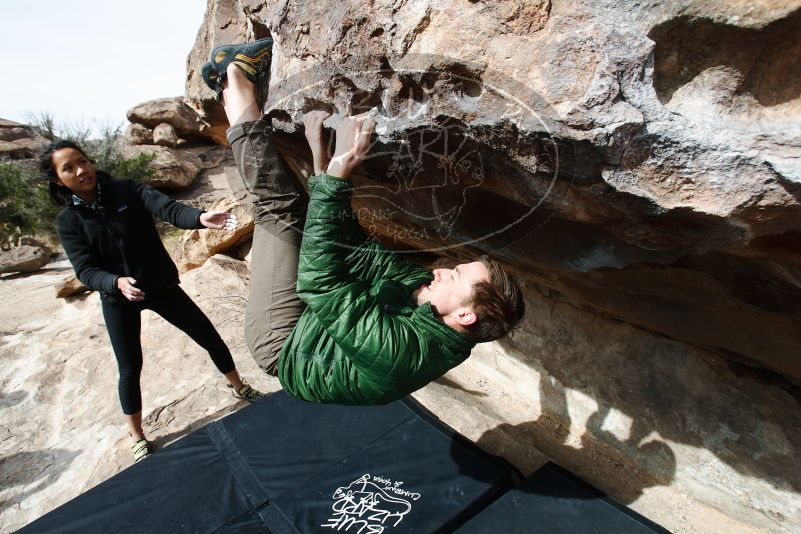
(25, 207)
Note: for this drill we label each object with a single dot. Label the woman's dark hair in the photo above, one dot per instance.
(58, 193)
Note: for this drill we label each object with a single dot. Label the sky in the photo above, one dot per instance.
(89, 61)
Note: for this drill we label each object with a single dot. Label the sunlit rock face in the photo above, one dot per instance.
(636, 161)
(59, 384)
(19, 141)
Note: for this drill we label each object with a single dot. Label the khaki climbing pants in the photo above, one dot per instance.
(280, 201)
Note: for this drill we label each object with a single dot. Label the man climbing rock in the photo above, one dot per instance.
(333, 313)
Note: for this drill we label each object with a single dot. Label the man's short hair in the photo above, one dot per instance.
(498, 304)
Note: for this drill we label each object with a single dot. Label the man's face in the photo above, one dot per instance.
(451, 291)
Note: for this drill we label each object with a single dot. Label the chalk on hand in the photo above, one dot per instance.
(380, 120)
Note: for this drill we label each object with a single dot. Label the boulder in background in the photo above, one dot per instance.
(24, 259)
(136, 134)
(173, 111)
(69, 287)
(19, 141)
(164, 135)
(173, 169)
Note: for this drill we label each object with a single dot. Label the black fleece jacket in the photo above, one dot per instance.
(122, 239)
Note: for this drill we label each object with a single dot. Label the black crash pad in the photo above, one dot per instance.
(554, 500)
(283, 465)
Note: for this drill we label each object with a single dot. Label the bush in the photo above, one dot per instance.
(25, 207)
(107, 156)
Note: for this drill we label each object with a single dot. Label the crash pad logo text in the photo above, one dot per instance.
(369, 504)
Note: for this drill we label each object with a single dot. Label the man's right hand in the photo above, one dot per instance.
(352, 145)
(126, 285)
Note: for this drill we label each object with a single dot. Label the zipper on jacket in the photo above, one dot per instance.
(114, 235)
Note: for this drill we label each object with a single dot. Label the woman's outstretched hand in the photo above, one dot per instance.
(219, 220)
(126, 285)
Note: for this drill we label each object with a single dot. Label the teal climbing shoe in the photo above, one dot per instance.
(250, 57)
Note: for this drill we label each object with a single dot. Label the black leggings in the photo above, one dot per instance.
(124, 323)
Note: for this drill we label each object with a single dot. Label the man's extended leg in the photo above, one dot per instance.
(273, 306)
(239, 97)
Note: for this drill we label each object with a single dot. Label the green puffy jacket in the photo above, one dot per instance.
(360, 340)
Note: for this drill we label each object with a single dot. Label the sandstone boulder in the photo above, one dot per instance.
(20, 149)
(173, 169)
(12, 131)
(212, 156)
(196, 246)
(23, 259)
(70, 286)
(164, 135)
(18, 141)
(34, 242)
(136, 134)
(172, 111)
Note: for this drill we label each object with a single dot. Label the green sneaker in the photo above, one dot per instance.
(140, 450)
(250, 57)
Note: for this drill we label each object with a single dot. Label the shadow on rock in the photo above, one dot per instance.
(649, 393)
(8, 400)
(166, 439)
(447, 382)
(31, 472)
(622, 468)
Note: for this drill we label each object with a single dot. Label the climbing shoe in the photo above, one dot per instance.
(250, 57)
(140, 450)
(246, 393)
(212, 80)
